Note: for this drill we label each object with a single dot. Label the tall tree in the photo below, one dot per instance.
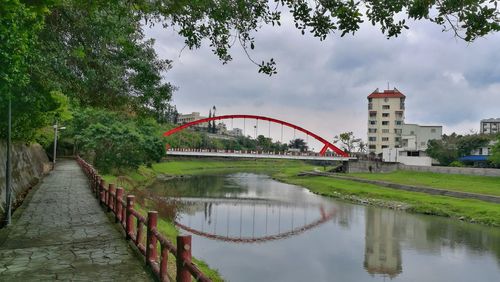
(348, 141)
(298, 143)
(96, 53)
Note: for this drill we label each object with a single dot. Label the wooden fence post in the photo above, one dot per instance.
(183, 256)
(151, 240)
(129, 224)
(102, 192)
(118, 204)
(110, 203)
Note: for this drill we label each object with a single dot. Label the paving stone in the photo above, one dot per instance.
(63, 234)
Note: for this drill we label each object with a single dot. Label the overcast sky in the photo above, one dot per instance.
(322, 86)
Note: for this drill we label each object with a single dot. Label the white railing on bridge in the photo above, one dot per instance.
(256, 154)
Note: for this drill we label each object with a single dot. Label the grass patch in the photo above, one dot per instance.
(471, 210)
(487, 185)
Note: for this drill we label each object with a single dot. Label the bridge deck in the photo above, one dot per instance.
(257, 156)
(63, 234)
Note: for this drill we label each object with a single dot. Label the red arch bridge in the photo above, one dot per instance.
(328, 151)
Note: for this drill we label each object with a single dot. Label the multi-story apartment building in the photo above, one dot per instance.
(385, 119)
(490, 126)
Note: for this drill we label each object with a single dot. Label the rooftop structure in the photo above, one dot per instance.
(490, 126)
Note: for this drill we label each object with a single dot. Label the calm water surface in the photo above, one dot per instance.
(252, 228)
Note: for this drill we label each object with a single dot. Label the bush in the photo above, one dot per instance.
(456, 164)
(115, 141)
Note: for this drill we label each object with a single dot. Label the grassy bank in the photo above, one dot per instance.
(469, 210)
(465, 183)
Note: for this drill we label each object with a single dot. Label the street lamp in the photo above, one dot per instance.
(8, 166)
(56, 129)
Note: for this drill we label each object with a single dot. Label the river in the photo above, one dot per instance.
(253, 228)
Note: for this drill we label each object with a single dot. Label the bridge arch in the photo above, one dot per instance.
(326, 145)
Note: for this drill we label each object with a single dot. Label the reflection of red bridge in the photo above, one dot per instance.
(338, 153)
(324, 217)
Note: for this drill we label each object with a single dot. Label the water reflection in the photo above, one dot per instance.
(349, 242)
(382, 247)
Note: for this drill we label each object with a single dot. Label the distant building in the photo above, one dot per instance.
(186, 118)
(479, 157)
(385, 119)
(221, 128)
(490, 126)
(235, 132)
(415, 137)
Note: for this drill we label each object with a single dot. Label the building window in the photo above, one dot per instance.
(413, 154)
(385, 130)
(412, 132)
(385, 139)
(373, 114)
(398, 122)
(398, 131)
(397, 139)
(385, 122)
(433, 130)
(372, 130)
(373, 122)
(370, 106)
(384, 146)
(386, 107)
(373, 139)
(372, 147)
(385, 114)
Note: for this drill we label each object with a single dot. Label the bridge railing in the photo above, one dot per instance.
(143, 231)
(256, 152)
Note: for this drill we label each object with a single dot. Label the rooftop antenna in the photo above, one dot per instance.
(388, 85)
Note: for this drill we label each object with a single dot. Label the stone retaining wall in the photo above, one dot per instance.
(29, 164)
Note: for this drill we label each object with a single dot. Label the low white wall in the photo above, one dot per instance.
(416, 161)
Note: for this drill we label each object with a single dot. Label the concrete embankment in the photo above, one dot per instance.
(29, 164)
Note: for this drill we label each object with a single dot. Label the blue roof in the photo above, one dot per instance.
(474, 158)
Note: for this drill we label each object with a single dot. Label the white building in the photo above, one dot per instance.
(490, 126)
(414, 140)
(186, 118)
(235, 132)
(385, 120)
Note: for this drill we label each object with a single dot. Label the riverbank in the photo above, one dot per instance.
(474, 211)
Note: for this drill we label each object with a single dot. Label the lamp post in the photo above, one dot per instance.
(56, 130)
(8, 170)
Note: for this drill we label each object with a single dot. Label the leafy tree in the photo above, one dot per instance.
(348, 142)
(495, 153)
(466, 144)
(444, 150)
(225, 22)
(115, 141)
(96, 52)
(298, 143)
(33, 105)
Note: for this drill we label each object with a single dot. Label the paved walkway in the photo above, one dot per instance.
(63, 234)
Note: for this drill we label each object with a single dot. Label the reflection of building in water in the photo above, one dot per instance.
(382, 249)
